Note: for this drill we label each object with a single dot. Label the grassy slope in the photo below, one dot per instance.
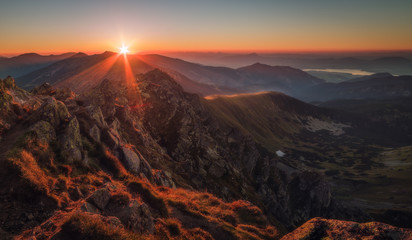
(259, 115)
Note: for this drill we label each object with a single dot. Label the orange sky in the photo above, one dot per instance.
(47, 26)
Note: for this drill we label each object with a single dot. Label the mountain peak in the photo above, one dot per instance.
(79, 54)
(29, 55)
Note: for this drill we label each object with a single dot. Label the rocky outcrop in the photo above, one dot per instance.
(320, 228)
(53, 111)
(130, 159)
(44, 131)
(100, 198)
(132, 214)
(71, 142)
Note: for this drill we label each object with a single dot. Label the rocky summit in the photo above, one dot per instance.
(147, 160)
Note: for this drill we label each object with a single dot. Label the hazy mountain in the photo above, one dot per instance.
(25, 63)
(381, 86)
(218, 76)
(256, 77)
(281, 78)
(363, 78)
(70, 67)
(82, 72)
(399, 63)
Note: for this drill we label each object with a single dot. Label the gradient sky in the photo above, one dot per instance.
(47, 26)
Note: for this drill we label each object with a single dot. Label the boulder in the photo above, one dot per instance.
(71, 142)
(111, 138)
(94, 133)
(52, 111)
(88, 207)
(100, 198)
(136, 216)
(96, 114)
(163, 178)
(44, 89)
(44, 131)
(130, 159)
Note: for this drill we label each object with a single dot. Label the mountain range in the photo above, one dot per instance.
(28, 62)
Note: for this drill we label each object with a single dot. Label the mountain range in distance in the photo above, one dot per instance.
(209, 80)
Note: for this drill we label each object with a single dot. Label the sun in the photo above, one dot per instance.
(124, 49)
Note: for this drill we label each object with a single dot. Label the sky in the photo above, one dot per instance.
(55, 26)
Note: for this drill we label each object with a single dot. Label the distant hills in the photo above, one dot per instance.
(87, 71)
(81, 72)
(399, 63)
(253, 78)
(20, 65)
(378, 86)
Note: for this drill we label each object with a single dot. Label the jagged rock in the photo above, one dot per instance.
(163, 179)
(130, 159)
(115, 124)
(320, 228)
(71, 142)
(111, 137)
(132, 214)
(44, 89)
(94, 133)
(88, 207)
(9, 82)
(44, 131)
(53, 111)
(100, 198)
(96, 114)
(63, 94)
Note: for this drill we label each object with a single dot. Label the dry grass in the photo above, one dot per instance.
(148, 194)
(91, 226)
(236, 217)
(30, 171)
(171, 228)
(114, 164)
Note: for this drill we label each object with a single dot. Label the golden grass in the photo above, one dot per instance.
(31, 172)
(92, 227)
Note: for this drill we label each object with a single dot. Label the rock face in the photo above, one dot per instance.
(71, 142)
(319, 228)
(131, 213)
(53, 111)
(44, 131)
(130, 158)
(100, 198)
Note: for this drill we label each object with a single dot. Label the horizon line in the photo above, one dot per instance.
(46, 53)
